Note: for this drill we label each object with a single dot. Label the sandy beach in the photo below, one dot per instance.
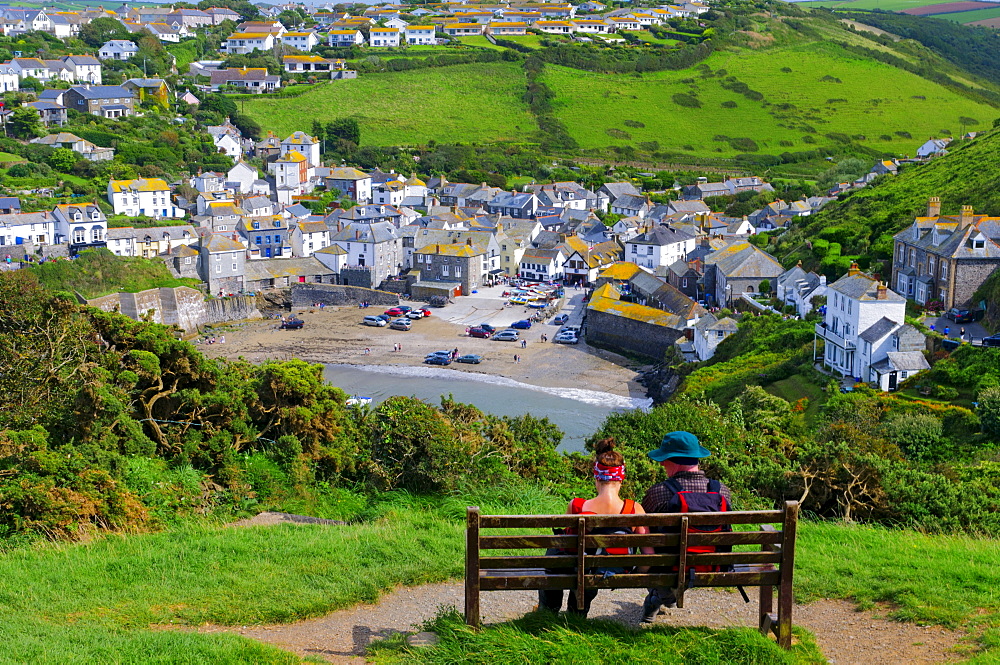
(336, 335)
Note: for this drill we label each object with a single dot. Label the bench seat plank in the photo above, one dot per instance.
(648, 519)
(630, 540)
(507, 581)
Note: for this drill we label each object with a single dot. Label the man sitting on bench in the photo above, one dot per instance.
(686, 489)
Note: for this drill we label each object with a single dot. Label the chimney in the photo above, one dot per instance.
(934, 207)
(854, 270)
(799, 264)
(965, 218)
(881, 293)
(469, 242)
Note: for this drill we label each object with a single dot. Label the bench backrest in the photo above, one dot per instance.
(772, 559)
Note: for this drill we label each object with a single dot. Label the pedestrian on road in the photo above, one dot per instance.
(524, 343)
(947, 330)
(962, 336)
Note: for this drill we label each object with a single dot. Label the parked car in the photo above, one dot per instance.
(959, 315)
(438, 360)
(523, 324)
(992, 340)
(376, 321)
(469, 358)
(405, 309)
(426, 312)
(384, 317)
(394, 311)
(566, 338)
(438, 353)
(479, 333)
(415, 314)
(506, 336)
(561, 319)
(573, 329)
(401, 324)
(488, 328)
(292, 323)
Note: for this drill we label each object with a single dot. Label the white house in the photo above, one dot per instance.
(933, 147)
(542, 265)
(709, 332)
(659, 247)
(292, 174)
(248, 42)
(145, 196)
(419, 34)
(9, 80)
(301, 142)
(27, 227)
(865, 335)
(345, 38)
(81, 226)
(377, 245)
(309, 236)
(798, 288)
(243, 174)
(304, 41)
(384, 37)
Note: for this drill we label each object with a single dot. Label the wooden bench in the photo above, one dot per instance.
(767, 567)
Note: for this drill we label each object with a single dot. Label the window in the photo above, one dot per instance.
(79, 235)
(458, 271)
(96, 235)
(267, 239)
(218, 267)
(978, 243)
(635, 249)
(234, 267)
(444, 270)
(944, 269)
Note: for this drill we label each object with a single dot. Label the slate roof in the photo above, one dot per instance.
(220, 243)
(102, 91)
(661, 236)
(278, 268)
(860, 286)
(905, 361)
(741, 259)
(878, 330)
(378, 232)
(630, 202)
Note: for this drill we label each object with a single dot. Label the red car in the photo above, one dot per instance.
(394, 311)
(424, 311)
(480, 333)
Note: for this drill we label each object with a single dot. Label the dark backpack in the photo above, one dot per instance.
(710, 501)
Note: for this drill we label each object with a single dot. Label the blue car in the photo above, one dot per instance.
(438, 360)
(523, 324)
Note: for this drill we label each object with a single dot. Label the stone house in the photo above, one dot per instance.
(621, 325)
(945, 258)
(107, 101)
(660, 246)
(738, 268)
(709, 333)
(377, 246)
(222, 264)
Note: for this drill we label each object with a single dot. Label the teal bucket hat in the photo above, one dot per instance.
(678, 444)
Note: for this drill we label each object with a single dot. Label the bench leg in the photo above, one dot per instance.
(766, 609)
(785, 602)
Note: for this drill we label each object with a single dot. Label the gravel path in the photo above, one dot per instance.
(844, 635)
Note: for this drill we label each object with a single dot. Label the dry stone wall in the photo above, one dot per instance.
(182, 306)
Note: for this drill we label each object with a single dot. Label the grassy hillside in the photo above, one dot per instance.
(966, 176)
(98, 273)
(464, 103)
(810, 92)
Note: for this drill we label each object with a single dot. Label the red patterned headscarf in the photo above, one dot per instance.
(609, 473)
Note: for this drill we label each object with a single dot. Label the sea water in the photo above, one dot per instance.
(577, 412)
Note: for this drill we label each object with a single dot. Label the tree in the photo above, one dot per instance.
(25, 123)
(100, 30)
(346, 129)
(765, 286)
(989, 410)
(63, 159)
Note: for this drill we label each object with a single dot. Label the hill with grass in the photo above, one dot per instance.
(785, 86)
(863, 222)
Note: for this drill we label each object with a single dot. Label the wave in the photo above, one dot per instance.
(593, 397)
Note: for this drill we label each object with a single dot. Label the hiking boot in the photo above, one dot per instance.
(655, 605)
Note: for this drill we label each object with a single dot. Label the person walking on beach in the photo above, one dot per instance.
(524, 343)
(367, 351)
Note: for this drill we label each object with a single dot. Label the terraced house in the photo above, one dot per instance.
(945, 257)
(145, 196)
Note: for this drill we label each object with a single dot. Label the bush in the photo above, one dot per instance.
(687, 101)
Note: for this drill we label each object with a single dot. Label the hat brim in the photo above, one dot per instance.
(660, 455)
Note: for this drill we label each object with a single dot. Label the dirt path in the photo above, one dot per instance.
(846, 636)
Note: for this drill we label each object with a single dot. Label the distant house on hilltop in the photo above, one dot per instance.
(933, 147)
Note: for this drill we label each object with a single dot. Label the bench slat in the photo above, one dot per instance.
(625, 581)
(630, 540)
(649, 519)
(615, 560)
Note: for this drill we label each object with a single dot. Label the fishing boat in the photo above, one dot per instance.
(358, 400)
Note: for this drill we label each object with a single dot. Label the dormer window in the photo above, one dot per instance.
(978, 243)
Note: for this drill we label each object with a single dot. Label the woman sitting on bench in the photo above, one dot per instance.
(609, 472)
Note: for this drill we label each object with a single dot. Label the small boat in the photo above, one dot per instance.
(538, 305)
(518, 300)
(358, 400)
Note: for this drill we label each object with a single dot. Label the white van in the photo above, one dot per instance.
(374, 321)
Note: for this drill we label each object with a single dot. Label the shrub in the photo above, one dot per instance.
(688, 101)
(729, 105)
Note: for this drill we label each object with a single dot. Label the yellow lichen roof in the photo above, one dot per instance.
(606, 291)
(293, 156)
(621, 270)
(562, 24)
(463, 26)
(296, 34)
(577, 244)
(385, 29)
(452, 249)
(303, 58)
(248, 35)
(343, 32)
(508, 24)
(634, 312)
(414, 181)
(140, 185)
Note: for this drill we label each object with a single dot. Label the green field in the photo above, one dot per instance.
(481, 41)
(872, 100)
(887, 5)
(477, 102)
(7, 157)
(969, 17)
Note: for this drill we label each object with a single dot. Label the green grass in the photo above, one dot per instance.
(969, 17)
(186, 52)
(592, 104)
(67, 599)
(7, 157)
(530, 40)
(481, 41)
(476, 102)
(99, 273)
(795, 388)
(542, 637)
(887, 5)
